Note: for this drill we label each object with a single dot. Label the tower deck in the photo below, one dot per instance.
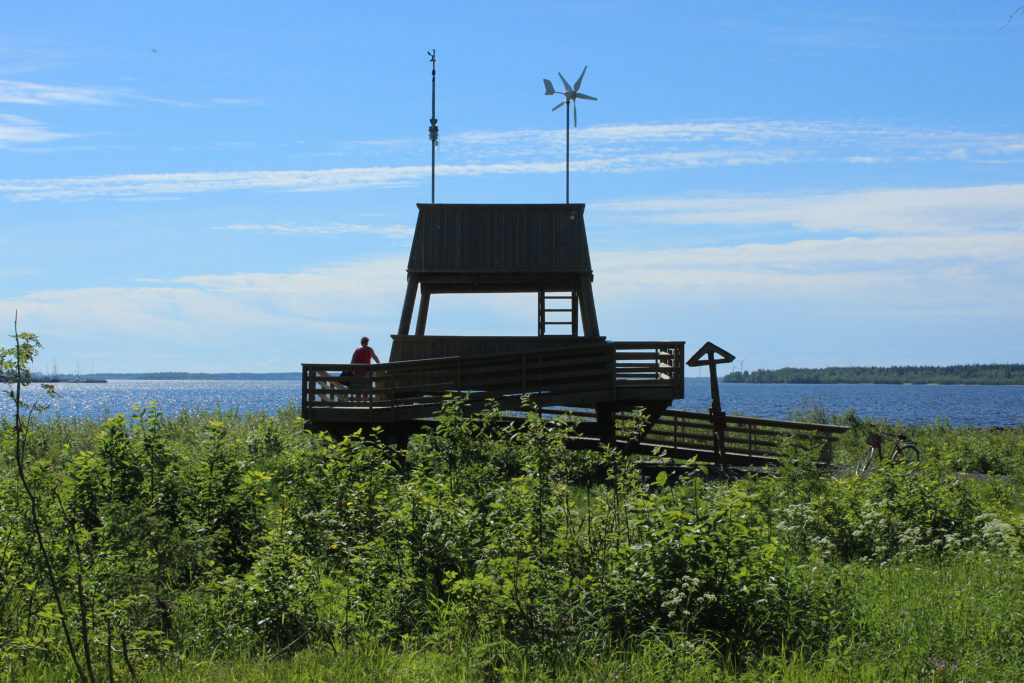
(619, 374)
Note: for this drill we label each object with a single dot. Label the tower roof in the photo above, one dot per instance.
(492, 239)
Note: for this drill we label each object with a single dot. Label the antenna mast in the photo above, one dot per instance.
(433, 118)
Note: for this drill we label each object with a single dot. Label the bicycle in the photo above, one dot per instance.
(904, 451)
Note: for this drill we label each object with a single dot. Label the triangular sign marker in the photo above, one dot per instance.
(710, 350)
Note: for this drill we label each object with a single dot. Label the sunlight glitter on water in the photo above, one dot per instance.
(981, 406)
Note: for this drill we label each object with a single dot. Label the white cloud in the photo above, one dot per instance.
(240, 101)
(17, 130)
(890, 257)
(886, 253)
(354, 280)
(394, 231)
(20, 92)
(133, 185)
(235, 316)
(625, 148)
(938, 275)
(865, 160)
(317, 312)
(917, 210)
(621, 148)
(805, 139)
(129, 185)
(15, 272)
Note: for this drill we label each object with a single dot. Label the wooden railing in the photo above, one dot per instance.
(749, 441)
(641, 362)
(562, 371)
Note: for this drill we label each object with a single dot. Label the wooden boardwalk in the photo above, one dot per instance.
(402, 398)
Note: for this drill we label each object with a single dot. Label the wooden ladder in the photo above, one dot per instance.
(551, 310)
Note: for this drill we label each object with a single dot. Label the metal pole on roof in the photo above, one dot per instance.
(433, 119)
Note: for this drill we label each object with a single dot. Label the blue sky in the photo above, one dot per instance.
(232, 186)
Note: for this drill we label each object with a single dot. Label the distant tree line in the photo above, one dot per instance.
(1010, 373)
(182, 375)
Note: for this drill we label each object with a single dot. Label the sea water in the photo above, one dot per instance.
(982, 406)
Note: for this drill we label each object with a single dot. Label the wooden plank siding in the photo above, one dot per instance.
(414, 347)
(500, 238)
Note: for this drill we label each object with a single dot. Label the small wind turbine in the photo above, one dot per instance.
(571, 93)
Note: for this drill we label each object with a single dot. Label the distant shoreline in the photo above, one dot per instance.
(992, 374)
(56, 379)
(1011, 374)
(105, 376)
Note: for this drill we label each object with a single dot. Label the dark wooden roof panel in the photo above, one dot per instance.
(500, 238)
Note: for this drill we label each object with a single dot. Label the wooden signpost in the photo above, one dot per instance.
(706, 355)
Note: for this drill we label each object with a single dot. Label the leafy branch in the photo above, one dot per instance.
(14, 364)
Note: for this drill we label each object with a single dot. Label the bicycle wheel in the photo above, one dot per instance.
(865, 461)
(907, 453)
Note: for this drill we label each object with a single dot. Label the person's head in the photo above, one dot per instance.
(364, 341)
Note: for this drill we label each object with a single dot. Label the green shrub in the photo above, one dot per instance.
(894, 512)
(218, 535)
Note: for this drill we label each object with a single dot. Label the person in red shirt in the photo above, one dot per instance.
(362, 356)
(364, 353)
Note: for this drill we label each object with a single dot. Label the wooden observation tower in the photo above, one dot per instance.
(567, 367)
(497, 249)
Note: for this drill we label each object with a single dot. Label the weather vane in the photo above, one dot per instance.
(570, 93)
(433, 118)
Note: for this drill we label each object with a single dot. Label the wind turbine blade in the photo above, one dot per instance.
(580, 79)
(564, 82)
(548, 88)
(558, 105)
(585, 97)
(574, 113)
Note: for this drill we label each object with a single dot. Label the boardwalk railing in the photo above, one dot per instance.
(604, 367)
(749, 441)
